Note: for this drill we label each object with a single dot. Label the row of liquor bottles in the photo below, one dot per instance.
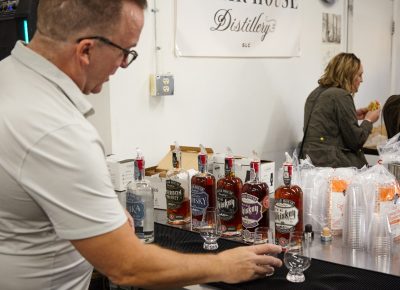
(242, 206)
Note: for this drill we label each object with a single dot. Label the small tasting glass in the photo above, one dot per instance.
(297, 257)
(263, 235)
(210, 228)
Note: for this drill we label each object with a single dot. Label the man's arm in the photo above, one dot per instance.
(122, 257)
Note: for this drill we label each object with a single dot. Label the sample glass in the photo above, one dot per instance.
(297, 257)
(210, 228)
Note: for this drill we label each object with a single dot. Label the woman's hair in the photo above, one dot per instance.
(341, 71)
(60, 19)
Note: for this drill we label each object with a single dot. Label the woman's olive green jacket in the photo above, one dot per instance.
(334, 137)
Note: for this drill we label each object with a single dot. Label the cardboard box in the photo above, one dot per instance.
(121, 170)
(242, 169)
(158, 184)
(156, 174)
(267, 172)
(216, 163)
(188, 155)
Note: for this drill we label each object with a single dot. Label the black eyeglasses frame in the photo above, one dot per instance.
(105, 40)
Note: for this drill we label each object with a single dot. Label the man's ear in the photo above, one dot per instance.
(84, 50)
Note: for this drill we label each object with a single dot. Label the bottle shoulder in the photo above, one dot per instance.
(137, 185)
(230, 180)
(177, 174)
(255, 186)
(203, 175)
(289, 190)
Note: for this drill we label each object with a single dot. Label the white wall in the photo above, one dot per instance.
(244, 103)
(371, 41)
(395, 85)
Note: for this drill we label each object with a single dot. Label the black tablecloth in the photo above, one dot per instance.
(320, 275)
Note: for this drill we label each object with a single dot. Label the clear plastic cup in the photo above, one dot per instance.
(354, 218)
(380, 236)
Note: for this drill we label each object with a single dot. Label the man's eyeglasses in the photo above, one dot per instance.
(129, 55)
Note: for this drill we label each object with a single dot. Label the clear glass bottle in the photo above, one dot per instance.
(203, 188)
(229, 190)
(288, 206)
(255, 202)
(177, 191)
(140, 201)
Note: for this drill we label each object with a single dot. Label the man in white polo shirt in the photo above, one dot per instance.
(59, 214)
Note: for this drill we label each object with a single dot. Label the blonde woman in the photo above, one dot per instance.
(333, 136)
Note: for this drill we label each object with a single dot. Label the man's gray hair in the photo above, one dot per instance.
(60, 19)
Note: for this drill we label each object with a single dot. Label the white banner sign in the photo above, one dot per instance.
(238, 28)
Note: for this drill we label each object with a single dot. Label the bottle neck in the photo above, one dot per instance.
(139, 170)
(287, 174)
(176, 160)
(229, 167)
(254, 171)
(202, 163)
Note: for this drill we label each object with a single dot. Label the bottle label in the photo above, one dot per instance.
(227, 204)
(135, 206)
(286, 215)
(175, 194)
(251, 211)
(199, 200)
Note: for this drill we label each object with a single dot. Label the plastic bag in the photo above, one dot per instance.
(381, 194)
(389, 152)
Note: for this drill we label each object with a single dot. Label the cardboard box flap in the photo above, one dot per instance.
(189, 158)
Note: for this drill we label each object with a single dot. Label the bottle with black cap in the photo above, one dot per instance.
(308, 233)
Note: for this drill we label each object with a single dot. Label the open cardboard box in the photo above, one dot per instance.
(242, 169)
(156, 174)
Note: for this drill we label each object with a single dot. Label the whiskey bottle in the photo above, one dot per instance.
(229, 190)
(288, 206)
(177, 191)
(203, 186)
(255, 202)
(140, 201)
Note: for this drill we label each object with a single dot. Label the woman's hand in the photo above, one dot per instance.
(361, 113)
(372, 116)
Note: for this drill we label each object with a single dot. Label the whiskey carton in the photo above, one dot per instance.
(156, 174)
(121, 170)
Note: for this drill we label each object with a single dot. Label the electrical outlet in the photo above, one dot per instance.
(162, 85)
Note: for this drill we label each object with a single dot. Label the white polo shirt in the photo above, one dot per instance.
(54, 182)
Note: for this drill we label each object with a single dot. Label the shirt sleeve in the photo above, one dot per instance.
(66, 174)
(353, 134)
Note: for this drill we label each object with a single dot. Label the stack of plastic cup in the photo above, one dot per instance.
(354, 218)
(380, 235)
(380, 241)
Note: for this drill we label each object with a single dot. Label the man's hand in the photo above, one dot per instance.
(130, 220)
(251, 262)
